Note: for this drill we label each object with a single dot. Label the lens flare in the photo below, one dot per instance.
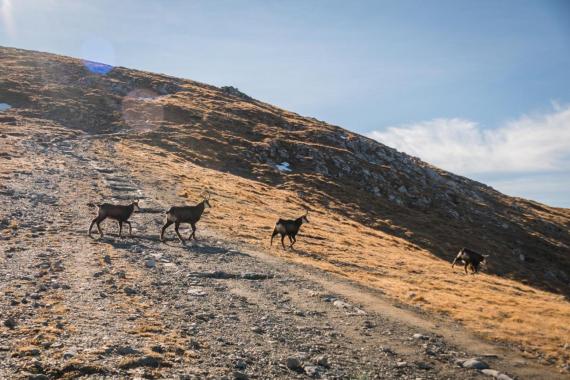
(96, 50)
(7, 18)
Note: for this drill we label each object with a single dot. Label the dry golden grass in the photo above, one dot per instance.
(244, 210)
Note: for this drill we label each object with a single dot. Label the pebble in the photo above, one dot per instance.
(10, 323)
(322, 360)
(424, 365)
(150, 263)
(475, 363)
(491, 372)
(420, 336)
(69, 354)
(294, 364)
(196, 292)
(238, 375)
(312, 371)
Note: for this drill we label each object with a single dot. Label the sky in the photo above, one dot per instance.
(480, 88)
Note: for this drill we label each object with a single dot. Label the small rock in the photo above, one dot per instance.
(475, 364)
(420, 336)
(491, 372)
(401, 364)
(502, 376)
(322, 360)
(240, 364)
(294, 364)
(129, 291)
(238, 375)
(69, 354)
(158, 349)
(312, 371)
(10, 323)
(196, 292)
(424, 365)
(150, 263)
(369, 324)
(257, 330)
(342, 305)
(107, 259)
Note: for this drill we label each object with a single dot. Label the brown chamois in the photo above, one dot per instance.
(289, 228)
(119, 213)
(471, 259)
(185, 214)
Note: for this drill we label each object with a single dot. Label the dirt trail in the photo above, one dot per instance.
(135, 307)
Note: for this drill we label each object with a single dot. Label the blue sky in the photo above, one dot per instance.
(469, 75)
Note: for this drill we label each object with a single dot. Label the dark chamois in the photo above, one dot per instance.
(119, 213)
(471, 259)
(185, 214)
(289, 228)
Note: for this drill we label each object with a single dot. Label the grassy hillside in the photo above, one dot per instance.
(378, 216)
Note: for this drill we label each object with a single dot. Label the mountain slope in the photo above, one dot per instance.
(378, 216)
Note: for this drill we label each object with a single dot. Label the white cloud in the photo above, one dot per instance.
(530, 144)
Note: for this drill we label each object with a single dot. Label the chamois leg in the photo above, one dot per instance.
(282, 238)
(130, 227)
(99, 220)
(120, 228)
(176, 226)
(168, 223)
(91, 225)
(272, 236)
(291, 241)
(465, 267)
(193, 233)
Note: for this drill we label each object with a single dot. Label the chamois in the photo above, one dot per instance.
(119, 213)
(289, 228)
(471, 259)
(185, 214)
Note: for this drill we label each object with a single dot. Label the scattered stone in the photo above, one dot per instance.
(502, 376)
(196, 292)
(491, 372)
(420, 336)
(341, 304)
(238, 375)
(312, 371)
(322, 360)
(294, 364)
(150, 263)
(475, 363)
(69, 354)
(257, 330)
(240, 364)
(129, 291)
(424, 365)
(107, 259)
(401, 364)
(10, 323)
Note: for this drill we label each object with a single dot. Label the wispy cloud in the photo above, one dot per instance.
(529, 144)
(527, 157)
